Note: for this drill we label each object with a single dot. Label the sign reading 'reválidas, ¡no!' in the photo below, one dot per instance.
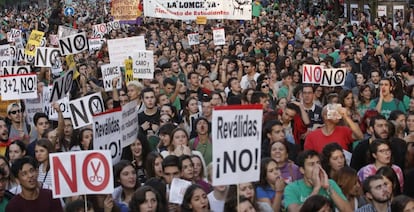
(236, 134)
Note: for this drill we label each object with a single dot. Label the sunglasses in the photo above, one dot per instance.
(15, 111)
(266, 78)
(265, 86)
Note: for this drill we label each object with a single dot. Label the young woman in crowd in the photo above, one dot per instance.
(348, 181)
(146, 199)
(84, 142)
(137, 153)
(195, 200)
(346, 99)
(239, 204)
(364, 99)
(190, 114)
(289, 170)
(11, 183)
(402, 203)
(42, 150)
(333, 159)
(179, 143)
(271, 185)
(247, 190)
(153, 165)
(199, 174)
(380, 153)
(391, 180)
(125, 180)
(16, 150)
(164, 134)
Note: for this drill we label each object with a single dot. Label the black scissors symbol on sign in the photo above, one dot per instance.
(95, 177)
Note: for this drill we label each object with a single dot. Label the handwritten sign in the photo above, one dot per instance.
(125, 10)
(121, 49)
(193, 39)
(18, 86)
(219, 36)
(84, 108)
(143, 65)
(109, 73)
(34, 41)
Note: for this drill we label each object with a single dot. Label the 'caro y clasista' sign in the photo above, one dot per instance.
(236, 134)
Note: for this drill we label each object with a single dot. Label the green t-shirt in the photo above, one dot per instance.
(297, 192)
(256, 9)
(206, 149)
(283, 92)
(388, 107)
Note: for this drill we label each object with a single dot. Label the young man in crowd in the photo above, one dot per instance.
(376, 191)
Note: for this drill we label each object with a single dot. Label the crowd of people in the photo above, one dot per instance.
(360, 159)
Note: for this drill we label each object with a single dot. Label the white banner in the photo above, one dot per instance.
(84, 108)
(107, 133)
(121, 49)
(73, 44)
(193, 39)
(177, 191)
(191, 9)
(81, 172)
(236, 134)
(219, 36)
(143, 65)
(47, 57)
(5, 50)
(109, 73)
(5, 61)
(129, 124)
(14, 87)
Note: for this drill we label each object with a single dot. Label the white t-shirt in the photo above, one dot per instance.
(215, 205)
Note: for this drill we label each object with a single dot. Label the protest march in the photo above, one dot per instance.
(206, 106)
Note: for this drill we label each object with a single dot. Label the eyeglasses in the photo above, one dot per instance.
(15, 111)
(246, 66)
(265, 86)
(384, 151)
(266, 78)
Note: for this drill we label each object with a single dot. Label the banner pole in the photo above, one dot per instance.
(238, 196)
(86, 203)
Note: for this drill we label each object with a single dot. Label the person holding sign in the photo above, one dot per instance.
(32, 197)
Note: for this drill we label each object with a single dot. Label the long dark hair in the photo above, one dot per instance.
(389, 173)
(185, 206)
(139, 197)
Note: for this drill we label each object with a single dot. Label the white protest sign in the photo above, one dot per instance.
(64, 31)
(193, 39)
(316, 74)
(129, 124)
(312, 74)
(81, 172)
(107, 133)
(177, 190)
(47, 105)
(47, 57)
(143, 65)
(18, 42)
(73, 44)
(84, 108)
(333, 77)
(54, 40)
(62, 86)
(5, 61)
(113, 25)
(14, 33)
(4, 50)
(99, 30)
(121, 49)
(95, 44)
(33, 106)
(219, 36)
(18, 86)
(14, 70)
(236, 134)
(109, 73)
